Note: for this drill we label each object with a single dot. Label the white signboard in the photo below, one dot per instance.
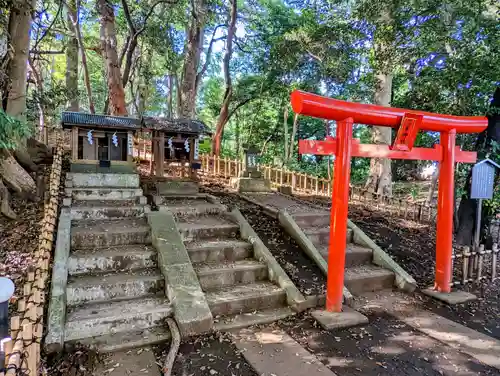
(130, 144)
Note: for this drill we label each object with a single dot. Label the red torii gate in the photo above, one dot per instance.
(343, 146)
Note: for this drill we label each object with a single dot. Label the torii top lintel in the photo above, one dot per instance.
(333, 109)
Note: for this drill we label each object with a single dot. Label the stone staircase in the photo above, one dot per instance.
(115, 293)
(361, 275)
(236, 285)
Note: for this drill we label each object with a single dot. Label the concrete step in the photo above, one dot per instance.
(321, 236)
(116, 286)
(219, 250)
(127, 340)
(194, 209)
(107, 233)
(245, 298)
(354, 255)
(206, 227)
(91, 320)
(366, 278)
(218, 275)
(245, 320)
(101, 209)
(97, 193)
(312, 219)
(178, 187)
(101, 180)
(125, 257)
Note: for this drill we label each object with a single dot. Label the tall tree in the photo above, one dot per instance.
(194, 43)
(380, 175)
(72, 60)
(224, 110)
(116, 93)
(14, 175)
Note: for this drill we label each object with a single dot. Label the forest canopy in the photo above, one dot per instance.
(233, 65)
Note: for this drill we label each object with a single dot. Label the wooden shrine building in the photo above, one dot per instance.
(175, 146)
(101, 140)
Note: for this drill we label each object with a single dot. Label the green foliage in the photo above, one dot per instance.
(12, 131)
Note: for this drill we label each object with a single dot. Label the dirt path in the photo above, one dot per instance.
(384, 347)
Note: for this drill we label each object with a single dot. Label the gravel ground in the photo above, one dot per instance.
(302, 271)
(207, 355)
(386, 347)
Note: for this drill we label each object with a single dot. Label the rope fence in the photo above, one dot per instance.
(22, 350)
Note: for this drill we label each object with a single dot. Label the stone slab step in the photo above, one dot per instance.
(98, 193)
(195, 209)
(245, 298)
(271, 351)
(116, 286)
(365, 278)
(118, 258)
(219, 250)
(106, 233)
(217, 275)
(321, 236)
(244, 320)
(107, 210)
(101, 180)
(177, 187)
(354, 255)
(312, 219)
(93, 320)
(127, 340)
(206, 227)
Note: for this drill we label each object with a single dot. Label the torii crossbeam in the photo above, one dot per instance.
(343, 146)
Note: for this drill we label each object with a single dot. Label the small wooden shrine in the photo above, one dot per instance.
(175, 146)
(101, 140)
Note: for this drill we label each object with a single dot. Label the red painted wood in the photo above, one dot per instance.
(333, 109)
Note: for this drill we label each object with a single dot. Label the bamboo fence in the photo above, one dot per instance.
(22, 352)
(306, 184)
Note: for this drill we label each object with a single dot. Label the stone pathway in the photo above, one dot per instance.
(273, 352)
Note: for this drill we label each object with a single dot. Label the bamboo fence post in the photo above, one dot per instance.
(480, 262)
(494, 255)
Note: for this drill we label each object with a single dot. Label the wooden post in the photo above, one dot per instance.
(161, 155)
(494, 255)
(74, 144)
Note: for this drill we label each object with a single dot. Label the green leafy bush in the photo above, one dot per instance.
(12, 131)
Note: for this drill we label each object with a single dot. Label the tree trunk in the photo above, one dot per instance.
(285, 131)
(20, 24)
(194, 46)
(432, 188)
(75, 24)
(380, 176)
(485, 144)
(116, 93)
(224, 111)
(15, 177)
(291, 148)
(72, 61)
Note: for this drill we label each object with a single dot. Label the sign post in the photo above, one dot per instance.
(482, 184)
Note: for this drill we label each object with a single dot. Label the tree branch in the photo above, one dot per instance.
(46, 31)
(60, 52)
(209, 53)
(128, 17)
(239, 46)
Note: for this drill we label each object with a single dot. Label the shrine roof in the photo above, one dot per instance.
(86, 120)
(186, 126)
